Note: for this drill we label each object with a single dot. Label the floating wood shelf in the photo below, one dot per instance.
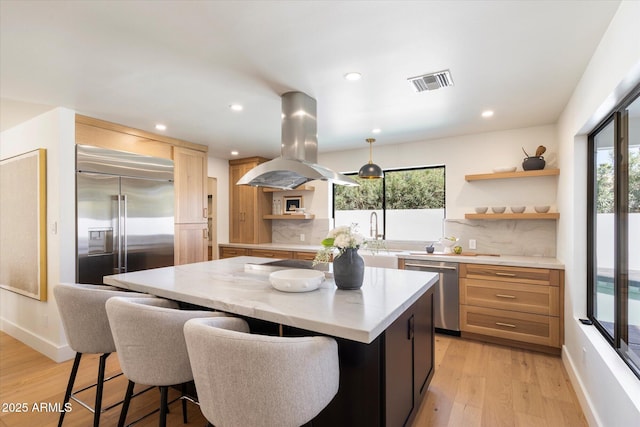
(292, 216)
(532, 215)
(519, 174)
(300, 188)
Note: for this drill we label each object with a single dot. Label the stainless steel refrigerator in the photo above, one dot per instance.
(124, 213)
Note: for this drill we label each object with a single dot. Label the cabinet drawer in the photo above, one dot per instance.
(531, 328)
(232, 252)
(309, 256)
(534, 276)
(268, 253)
(520, 297)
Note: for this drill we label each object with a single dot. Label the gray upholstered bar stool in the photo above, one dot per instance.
(85, 323)
(257, 380)
(149, 339)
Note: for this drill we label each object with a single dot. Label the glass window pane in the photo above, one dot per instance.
(360, 205)
(604, 294)
(414, 204)
(632, 347)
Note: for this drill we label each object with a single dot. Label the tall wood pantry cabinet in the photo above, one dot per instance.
(247, 205)
(191, 226)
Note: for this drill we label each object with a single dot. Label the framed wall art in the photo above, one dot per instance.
(23, 224)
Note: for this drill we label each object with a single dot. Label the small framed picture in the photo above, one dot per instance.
(291, 203)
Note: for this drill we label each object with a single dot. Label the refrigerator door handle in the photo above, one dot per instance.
(124, 235)
(119, 233)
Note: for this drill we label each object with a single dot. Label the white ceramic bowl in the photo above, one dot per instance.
(505, 169)
(481, 210)
(541, 209)
(296, 280)
(517, 209)
(498, 209)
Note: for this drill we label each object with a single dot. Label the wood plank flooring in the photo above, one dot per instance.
(475, 384)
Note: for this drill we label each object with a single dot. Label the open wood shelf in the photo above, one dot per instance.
(292, 216)
(300, 188)
(532, 215)
(518, 174)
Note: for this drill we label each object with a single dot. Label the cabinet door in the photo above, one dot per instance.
(399, 369)
(190, 175)
(423, 349)
(240, 206)
(191, 243)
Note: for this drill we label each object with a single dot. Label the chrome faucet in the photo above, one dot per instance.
(373, 227)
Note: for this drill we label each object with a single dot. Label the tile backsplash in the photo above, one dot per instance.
(504, 237)
(522, 237)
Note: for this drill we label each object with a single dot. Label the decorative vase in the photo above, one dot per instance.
(533, 163)
(348, 269)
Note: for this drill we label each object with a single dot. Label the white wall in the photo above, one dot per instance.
(609, 392)
(468, 154)
(34, 322)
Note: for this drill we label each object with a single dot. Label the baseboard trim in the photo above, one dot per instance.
(52, 351)
(578, 386)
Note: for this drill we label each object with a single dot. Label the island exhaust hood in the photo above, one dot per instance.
(297, 163)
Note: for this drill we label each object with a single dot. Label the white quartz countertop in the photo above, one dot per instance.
(359, 315)
(507, 260)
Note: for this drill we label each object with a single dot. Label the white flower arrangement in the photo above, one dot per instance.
(340, 239)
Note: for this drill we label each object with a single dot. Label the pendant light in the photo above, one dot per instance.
(370, 170)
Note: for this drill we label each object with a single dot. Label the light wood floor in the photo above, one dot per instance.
(475, 384)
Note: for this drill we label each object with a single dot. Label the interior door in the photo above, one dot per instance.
(97, 226)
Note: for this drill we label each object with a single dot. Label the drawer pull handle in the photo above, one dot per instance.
(505, 296)
(506, 274)
(508, 325)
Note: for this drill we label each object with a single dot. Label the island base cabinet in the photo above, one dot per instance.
(383, 383)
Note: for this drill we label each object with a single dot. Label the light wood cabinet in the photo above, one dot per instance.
(191, 219)
(227, 252)
(518, 305)
(190, 177)
(191, 243)
(233, 251)
(247, 205)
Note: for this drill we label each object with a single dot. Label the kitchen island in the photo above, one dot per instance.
(384, 330)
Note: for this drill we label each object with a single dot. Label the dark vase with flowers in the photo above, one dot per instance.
(348, 269)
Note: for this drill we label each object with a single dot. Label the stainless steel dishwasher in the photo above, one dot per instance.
(446, 296)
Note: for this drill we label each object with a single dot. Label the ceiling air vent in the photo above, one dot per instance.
(431, 81)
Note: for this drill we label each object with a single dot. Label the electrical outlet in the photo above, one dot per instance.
(472, 243)
(302, 237)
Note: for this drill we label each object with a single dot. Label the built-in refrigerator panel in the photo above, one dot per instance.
(147, 223)
(98, 226)
(125, 213)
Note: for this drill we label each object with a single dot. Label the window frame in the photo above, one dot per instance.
(620, 226)
(384, 199)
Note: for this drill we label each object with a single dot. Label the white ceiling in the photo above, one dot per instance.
(183, 63)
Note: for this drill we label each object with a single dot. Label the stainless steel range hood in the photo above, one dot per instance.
(299, 153)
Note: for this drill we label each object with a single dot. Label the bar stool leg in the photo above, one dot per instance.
(164, 390)
(99, 388)
(184, 404)
(72, 380)
(125, 404)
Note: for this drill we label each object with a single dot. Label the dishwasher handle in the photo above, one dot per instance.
(431, 267)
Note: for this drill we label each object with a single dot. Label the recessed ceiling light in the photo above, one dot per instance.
(376, 130)
(353, 76)
(160, 126)
(235, 107)
(487, 114)
(234, 153)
